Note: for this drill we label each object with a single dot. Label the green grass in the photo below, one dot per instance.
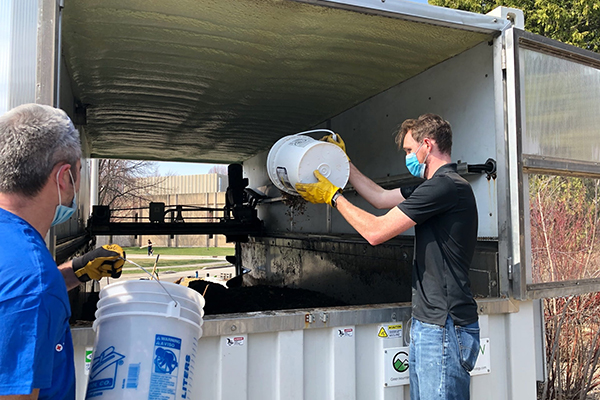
(161, 270)
(166, 263)
(184, 251)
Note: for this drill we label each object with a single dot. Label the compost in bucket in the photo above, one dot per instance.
(146, 341)
(293, 159)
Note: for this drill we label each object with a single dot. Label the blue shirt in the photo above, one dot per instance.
(36, 349)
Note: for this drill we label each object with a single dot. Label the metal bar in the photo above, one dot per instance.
(531, 41)
(513, 136)
(533, 164)
(411, 11)
(230, 227)
(562, 289)
(45, 88)
(501, 127)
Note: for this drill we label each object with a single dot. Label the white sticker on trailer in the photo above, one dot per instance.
(235, 341)
(483, 364)
(390, 331)
(395, 369)
(345, 332)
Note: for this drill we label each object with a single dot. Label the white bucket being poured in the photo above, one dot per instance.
(146, 341)
(293, 159)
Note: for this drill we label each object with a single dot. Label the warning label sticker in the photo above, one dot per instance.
(235, 341)
(345, 332)
(165, 370)
(390, 331)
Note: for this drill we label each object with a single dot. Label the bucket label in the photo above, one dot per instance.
(103, 373)
(302, 141)
(165, 368)
(282, 175)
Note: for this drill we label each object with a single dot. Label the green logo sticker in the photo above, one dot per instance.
(400, 361)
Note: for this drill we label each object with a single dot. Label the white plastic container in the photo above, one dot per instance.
(146, 341)
(293, 159)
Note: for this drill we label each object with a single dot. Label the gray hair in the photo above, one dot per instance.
(33, 139)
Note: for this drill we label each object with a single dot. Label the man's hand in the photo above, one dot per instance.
(339, 142)
(317, 193)
(106, 261)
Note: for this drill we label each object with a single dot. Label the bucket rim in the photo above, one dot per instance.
(154, 303)
(145, 314)
(115, 286)
(163, 294)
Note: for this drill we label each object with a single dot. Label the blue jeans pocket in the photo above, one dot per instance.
(468, 345)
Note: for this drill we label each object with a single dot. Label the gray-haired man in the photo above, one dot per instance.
(39, 177)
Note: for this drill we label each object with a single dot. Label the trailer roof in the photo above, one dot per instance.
(221, 80)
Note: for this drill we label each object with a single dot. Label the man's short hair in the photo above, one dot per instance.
(429, 126)
(33, 139)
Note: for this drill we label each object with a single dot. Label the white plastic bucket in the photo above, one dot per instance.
(146, 341)
(293, 159)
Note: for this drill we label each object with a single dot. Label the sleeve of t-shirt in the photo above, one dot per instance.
(432, 197)
(27, 338)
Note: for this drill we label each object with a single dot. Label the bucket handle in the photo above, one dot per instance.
(319, 130)
(161, 285)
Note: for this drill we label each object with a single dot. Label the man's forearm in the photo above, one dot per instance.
(375, 229)
(71, 280)
(377, 196)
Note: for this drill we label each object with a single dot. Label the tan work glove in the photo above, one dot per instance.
(339, 142)
(105, 261)
(318, 193)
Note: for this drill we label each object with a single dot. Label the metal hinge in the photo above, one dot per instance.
(510, 268)
(503, 58)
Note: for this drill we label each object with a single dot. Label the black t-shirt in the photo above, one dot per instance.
(445, 212)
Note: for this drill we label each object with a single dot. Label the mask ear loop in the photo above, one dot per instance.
(58, 184)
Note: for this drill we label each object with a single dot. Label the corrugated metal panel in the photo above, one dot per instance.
(5, 27)
(23, 52)
(342, 358)
(186, 184)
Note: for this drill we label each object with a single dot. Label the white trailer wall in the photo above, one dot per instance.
(461, 90)
(280, 356)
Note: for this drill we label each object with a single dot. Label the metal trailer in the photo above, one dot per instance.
(221, 81)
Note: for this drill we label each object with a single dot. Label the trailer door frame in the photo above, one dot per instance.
(524, 159)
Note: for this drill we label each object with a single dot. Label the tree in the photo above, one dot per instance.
(119, 183)
(218, 169)
(575, 22)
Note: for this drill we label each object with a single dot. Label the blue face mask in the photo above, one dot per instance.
(63, 213)
(414, 166)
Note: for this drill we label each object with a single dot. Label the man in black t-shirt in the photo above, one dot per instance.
(444, 330)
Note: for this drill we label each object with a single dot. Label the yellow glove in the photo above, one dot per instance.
(339, 142)
(317, 193)
(107, 260)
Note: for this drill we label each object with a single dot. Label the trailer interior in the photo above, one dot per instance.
(221, 82)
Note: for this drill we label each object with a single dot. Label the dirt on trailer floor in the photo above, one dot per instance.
(237, 299)
(223, 300)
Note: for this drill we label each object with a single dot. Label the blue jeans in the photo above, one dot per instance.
(441, 358)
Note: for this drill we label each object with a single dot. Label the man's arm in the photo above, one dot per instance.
(32, 396)
(105, 261)
(375, 229)
(71, 280)
(377, 196)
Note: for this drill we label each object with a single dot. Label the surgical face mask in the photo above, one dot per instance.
(63, 213)
(414, 166)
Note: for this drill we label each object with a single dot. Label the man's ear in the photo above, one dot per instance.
(61, 171)
(429, 143)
